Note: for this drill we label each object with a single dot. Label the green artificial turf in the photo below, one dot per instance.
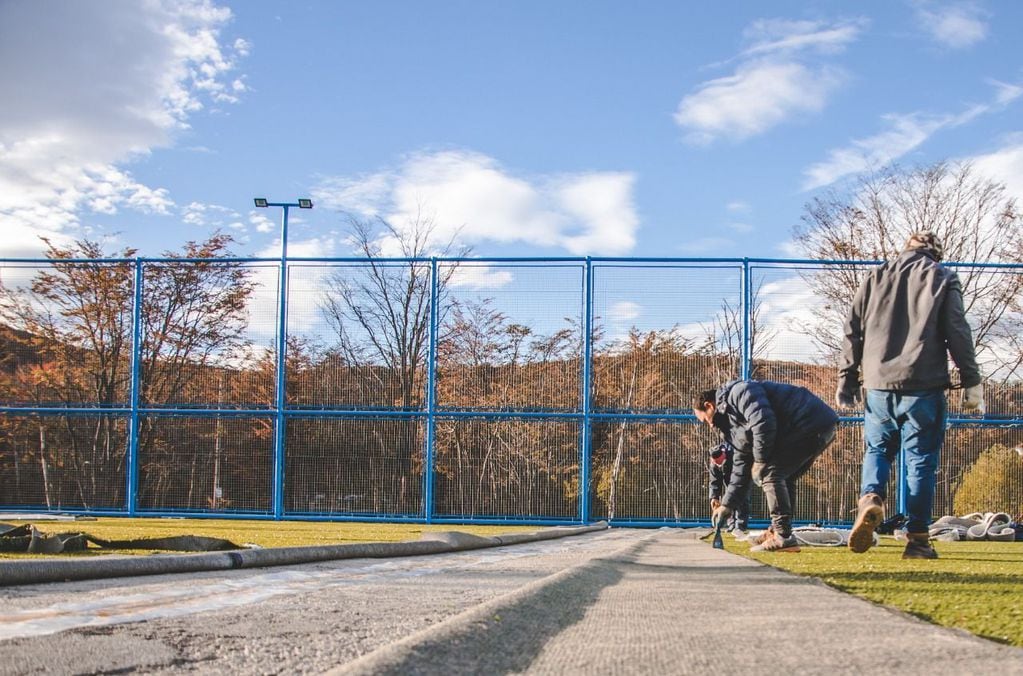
(974, 586)
(262, 533)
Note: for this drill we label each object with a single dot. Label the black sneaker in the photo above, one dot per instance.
(918, 546)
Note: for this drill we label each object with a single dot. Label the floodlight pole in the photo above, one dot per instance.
(280, 399)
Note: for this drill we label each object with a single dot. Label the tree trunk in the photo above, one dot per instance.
(617, 465)
(42, 464)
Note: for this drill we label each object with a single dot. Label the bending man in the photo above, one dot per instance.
(777, 431)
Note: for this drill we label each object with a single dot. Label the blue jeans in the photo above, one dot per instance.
(913, 422)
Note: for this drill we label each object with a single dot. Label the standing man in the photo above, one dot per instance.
(720, 468)
(905, 320)
(777, 431)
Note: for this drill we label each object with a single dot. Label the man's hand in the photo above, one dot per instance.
(758, 473)
(973, 399)
(714, 504)
(720, 517)
(847, 396)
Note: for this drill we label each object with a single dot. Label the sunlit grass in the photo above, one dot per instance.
(262, 533)
(974, 586)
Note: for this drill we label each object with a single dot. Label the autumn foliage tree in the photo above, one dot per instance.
(72, 327)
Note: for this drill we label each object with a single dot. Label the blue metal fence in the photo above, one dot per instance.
(540, 391)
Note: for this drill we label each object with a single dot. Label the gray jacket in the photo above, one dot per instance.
(906, 318)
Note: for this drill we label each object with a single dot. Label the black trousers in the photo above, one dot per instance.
(778, 478)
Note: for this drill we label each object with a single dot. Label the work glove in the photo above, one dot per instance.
(720, 517)
(758, 473)
(973, 399)
(848, 395)
(714, 504)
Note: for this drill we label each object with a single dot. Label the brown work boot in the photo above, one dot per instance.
(777, 543)
(868, 517)
(762, 538)
(918, 546)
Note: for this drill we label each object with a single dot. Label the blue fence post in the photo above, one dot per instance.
(131, 496)
(584, 446)
(431, 392)
(280, 380)
(745, 368)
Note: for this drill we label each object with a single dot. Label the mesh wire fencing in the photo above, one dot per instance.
(519, 391)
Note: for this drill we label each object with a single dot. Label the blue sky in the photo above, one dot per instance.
(528, 128)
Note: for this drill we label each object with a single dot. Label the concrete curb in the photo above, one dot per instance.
(427, 651)
(65, 570)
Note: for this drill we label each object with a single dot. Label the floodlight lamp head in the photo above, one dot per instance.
(305, 203)
(261, 202)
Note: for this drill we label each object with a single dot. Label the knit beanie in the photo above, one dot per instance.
(927, 242)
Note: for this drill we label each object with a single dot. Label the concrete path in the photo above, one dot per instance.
(670, 604)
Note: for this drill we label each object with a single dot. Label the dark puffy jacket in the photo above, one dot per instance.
(905, 320)
(766, 422)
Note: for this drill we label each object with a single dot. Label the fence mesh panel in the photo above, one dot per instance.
(518, 469)
(981, 470)
(796, 318)
(208, 335)
(663, 333)
(358, 335)
(510, 337)
(63, 461)
(354, 466)
(643, 470)
(997, 326)
(210, 463)
(66, 334)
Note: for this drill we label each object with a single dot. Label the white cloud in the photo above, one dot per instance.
(472, 197)
(757, 97)
(903, 134)
(603, 208)
(1006, 92)
(211, 216)
(362, 195)
(742, 228)
(22, 241)
(787, 307)
(98, 85)
(1004, 165)
(790, 249)
(738, 207)
(314, 247)
(775, 80)
(479, 276)
(261, 222)
(624, 311)
(773, 36)
(955, 25)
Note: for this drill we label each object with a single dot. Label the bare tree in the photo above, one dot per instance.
(725, 331)
(975, 218)
(379, 312)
